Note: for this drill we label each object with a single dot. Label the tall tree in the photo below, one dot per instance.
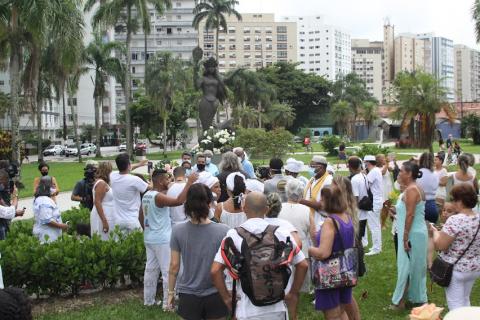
(165, 79)
(214, 13)
(476, 18)
(131, 14)
(369, 113)
(100, 59)
(342, 115)
(419, 97)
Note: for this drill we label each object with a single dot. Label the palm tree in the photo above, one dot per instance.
(476, 18)
(112, 13)
(213, 12)
(166, 75)
(98, 55)
(341, 113)
(421, 96)
(369, 113)
(280, 115)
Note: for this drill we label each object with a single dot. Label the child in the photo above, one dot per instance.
(447, 211)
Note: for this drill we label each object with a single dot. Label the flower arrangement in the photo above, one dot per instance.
(426, 312)
(218, 141)
(167, 165)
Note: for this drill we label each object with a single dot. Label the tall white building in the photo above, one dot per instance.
(367, 63)
(172, 32)
(467, 74)
(442, 61)
(322, 49)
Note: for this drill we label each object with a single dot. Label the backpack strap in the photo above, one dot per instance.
(251, 238)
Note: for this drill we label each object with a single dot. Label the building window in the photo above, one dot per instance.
(268, 30)
(246, 39)
(231, 29)
(2, 82)
(179, 29)
(232, 39)
(282, 54)
(258, 30)
(74, 100)
(246, 30)
(159, 29)
(281, 37)
(258, 47)
(179, 17)
(169, 30)
(247, 56)
(268, 39)
(133, 69)
(134, 56)
(268, 46)
(281, 29)
(179, 42)
(246, 47)
(232, 47)
(258, 38)
(210, 46)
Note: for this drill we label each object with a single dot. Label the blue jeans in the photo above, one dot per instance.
(3, 231)
(431, 211)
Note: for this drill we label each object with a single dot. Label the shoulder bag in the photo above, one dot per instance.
(441, 271)
(340, 270)
(366, 203)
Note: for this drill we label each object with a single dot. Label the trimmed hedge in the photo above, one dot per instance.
(63, 266)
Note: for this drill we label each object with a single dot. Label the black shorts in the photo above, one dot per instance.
(191, 307)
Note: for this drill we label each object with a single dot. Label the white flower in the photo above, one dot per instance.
(211, 127)
(205, 132)
(222, 140)
(233, 133)
(205, 141)
(216, 151)
(209, 138)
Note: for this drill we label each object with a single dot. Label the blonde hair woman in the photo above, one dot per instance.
(103, 212)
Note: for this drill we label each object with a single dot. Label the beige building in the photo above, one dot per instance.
(467, 74)
(367, 63)
(388, 55)
(412, 54)
(254, 42)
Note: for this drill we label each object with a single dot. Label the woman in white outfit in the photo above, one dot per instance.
(230, 212)
(48, 225)
(103, 212)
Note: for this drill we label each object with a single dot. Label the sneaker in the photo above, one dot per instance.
(372, 253)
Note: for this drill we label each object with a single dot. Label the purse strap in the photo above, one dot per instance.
(365, 179)
(339, 235)
(474, 237)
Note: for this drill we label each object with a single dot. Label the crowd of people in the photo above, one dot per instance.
(228, 240)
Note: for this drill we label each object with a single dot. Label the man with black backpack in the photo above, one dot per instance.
(260, 257)
(360, 190)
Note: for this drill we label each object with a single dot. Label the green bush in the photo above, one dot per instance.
(372, 149)
(329, 143)
(259, 143)
(64, 265)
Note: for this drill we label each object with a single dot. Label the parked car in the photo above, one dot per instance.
(122, 147)
(72, 150)
(53, 150)
(92, 146)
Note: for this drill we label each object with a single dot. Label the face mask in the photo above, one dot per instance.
(311, 171)
(201, 167)
(44, 173)
(208, 160)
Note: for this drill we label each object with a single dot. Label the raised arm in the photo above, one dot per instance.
(162, 200)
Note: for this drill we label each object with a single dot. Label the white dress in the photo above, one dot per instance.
(45, 210)
(232, 220)
(108, 204)
(387, 185)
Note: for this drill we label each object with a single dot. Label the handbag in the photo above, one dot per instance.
(441, 270)
(366, 203)
(340, 270)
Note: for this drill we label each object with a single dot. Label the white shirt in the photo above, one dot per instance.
(245, 308)
(127, 190)
(299, 216)
(281, 223)
(359, 189)
(375, 178)
(429, 183)
(318, 217)
(177, 214)
(7, 213)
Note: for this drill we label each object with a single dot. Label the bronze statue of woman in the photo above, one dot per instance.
(213, 90)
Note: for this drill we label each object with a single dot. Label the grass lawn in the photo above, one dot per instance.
(376, 287)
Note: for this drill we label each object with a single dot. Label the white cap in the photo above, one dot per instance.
(253, 185)
(320, 159)
(330, 169)
(231, 180)
(294, 165)
(369, 158)
(207, 179)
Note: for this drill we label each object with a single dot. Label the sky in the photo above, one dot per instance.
(365, 18)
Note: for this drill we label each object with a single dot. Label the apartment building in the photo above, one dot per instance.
(171, 32)
(467, 74)
(322, 49)
(254, 42)
(412, 54)
(442, 61)
(367, 63)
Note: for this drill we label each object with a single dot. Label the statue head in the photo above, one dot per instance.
(210, 66)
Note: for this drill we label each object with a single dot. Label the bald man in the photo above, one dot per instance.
(255, 208)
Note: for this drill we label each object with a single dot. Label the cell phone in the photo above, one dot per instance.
(150, 166)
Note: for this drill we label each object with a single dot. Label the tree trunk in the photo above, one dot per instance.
(165, 137)
(75, 126)
(62, 90)
(128, 84)
(32, 93)
(97, 126)
(216, 43)
(259, 116)
(15, 58)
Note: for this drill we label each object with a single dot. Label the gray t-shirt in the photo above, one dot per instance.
(197, 244)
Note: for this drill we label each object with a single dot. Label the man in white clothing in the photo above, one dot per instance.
(127, 192)
(375, 181)
(359, 189)
(177, 214)
(255, 209)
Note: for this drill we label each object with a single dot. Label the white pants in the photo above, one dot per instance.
(268, 316)
(158, 260)
(458, 292)
(373, 222)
